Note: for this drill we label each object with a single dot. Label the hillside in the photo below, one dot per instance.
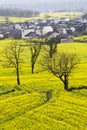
(17, 13)
(25, 107)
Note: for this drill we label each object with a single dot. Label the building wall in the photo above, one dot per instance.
(47, 29)
(25, 32)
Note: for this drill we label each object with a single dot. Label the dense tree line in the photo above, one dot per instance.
(18, 12)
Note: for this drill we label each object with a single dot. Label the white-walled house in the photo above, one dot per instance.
(62, 31)
(24, 32)
(38, 31)
(18, 26)
(73, 29)
(1, 36)
(47, 29)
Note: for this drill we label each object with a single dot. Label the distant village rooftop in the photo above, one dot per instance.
(63, 28)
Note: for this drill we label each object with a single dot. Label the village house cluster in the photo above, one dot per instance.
(62, 28)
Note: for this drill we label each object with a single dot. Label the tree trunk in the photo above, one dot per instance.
(51, 50)
(18, 76)
(32, 67)
(66, 82)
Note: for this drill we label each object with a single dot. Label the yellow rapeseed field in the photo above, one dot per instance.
(26, 107)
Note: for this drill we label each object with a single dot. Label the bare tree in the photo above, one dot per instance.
(52, 43)
(61, 66)
(35, 51)
(12, 54)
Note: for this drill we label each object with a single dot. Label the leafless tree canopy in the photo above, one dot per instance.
(61, 65)
(35, 50)
(12, 54)
(52, 45)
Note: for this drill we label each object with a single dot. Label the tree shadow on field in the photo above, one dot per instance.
(79, 88)
(6, 90)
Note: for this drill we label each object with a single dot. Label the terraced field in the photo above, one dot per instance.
(25, 107)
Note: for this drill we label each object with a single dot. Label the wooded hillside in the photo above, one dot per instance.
(18, 12)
